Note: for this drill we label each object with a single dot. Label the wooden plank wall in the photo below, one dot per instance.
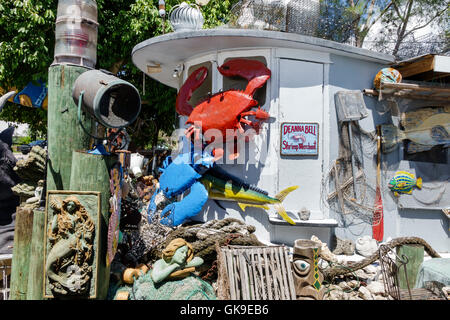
(258, 273)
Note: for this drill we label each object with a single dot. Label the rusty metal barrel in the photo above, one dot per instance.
(115, 103)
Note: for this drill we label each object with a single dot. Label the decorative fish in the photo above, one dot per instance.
(434, 130)
(230, 188)
(404, 182)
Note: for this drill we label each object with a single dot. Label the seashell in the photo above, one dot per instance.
(129, 274)
(122, 295)
(142, 268)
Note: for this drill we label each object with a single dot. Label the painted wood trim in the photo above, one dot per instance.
(305, 55)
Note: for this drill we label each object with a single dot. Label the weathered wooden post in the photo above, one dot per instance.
(64, 131)
(36, 269)
(21, 254)
(91, 172)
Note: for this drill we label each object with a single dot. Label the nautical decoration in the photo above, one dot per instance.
(299, 139)
(378, 216)
(115, 201)
(71, 250)
(177, 261)
(223, 186)
(390, 75)
(224, 110)
(404, 182)
(113, 102)
(76, 33)
(185, 17)
(254, 273)
(366, 246)
(304, 214)
(130, 274)
(307, 276)
(178, 176)
(432, 131)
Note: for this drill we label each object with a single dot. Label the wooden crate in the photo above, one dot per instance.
(257, 273)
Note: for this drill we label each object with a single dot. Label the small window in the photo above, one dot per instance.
(201, 92)
(241, 84)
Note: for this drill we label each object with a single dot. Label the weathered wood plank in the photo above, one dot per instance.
(237, 276)
(290, 277)
(267, 273)
(244, 279)
(223, 290)
(36, 272)
(274, 275)
(283, 273)
(278, 270)
(416, 67)
(259, 265)
(20, 263)
(90, 172)
(230, 271)
(254, 261)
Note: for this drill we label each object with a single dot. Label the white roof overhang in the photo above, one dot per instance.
(172, 49)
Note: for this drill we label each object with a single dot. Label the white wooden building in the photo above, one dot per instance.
(306, 74)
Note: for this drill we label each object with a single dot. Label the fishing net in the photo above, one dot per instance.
(189, 288)
(354, 204)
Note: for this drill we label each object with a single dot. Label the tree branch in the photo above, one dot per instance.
(380, 15)
(426, 24)
(397, 9)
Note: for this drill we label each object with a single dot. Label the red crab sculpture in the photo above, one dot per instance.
(224, 110)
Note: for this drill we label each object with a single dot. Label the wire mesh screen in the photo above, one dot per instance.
(259, 14)
(303, 17)
(318, 18)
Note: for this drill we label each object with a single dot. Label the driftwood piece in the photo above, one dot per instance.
(257, 273)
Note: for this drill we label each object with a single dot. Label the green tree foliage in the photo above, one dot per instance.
(27, 47)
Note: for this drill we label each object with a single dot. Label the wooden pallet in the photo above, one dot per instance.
(257, 273)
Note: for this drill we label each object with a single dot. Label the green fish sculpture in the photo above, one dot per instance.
(404, 182)
(229, 188)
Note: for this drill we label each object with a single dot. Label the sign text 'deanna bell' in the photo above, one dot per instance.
(298, 139)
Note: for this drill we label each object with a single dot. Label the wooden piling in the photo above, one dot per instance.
(90, 172)
(65, 134)
(35, 283)
(21, 254)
